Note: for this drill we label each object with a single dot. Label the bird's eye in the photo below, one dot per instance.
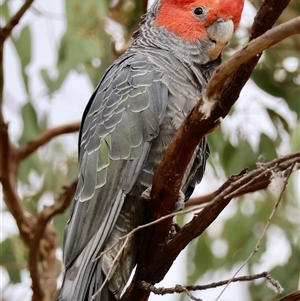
(198, 11)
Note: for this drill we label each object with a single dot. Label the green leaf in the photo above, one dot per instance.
(235, 159)
(4, 10)
(13, 257)
(31, 130)
(23, 48)
(277, 118)
(239, 232)
(32, 163)
(30, 124)
(267, 148)
(59, 222)
(85, 40)
(294, 105)
(200, 258)
(295, 139)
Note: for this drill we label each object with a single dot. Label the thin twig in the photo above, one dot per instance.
(169, 174)
(232, 185)
(204, 218)
(112, 268)
(183, 288)
(275, 284)
(190, 294)
(46, 136)
(7, 29)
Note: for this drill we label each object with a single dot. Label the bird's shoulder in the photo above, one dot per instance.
(132, 86)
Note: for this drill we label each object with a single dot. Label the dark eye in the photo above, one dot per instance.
(198, 11)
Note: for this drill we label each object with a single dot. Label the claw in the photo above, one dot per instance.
(147, 193)
(179, 204)
(174, 229)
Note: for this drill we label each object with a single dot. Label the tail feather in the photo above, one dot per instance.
(87, 290)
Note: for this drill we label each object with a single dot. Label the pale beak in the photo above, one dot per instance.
(220, 33)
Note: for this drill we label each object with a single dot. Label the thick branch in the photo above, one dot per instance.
(270, 38)
(8, 170)
(259, 183)
(46, 136)
(168, 176)
(203, 219)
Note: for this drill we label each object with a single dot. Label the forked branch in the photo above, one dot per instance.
(168, 176)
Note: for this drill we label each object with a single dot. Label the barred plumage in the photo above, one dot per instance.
(130, 120)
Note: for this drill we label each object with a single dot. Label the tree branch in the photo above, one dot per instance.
(268, 39)
(35, 231)
(266, 227)
(6, 30)
(182, 289)
(260, 182)
(168, 176)
(205, 217)
(43, 219)
(46, 136)
(295, 296)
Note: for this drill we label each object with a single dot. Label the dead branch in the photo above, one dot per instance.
(204, 218)
(46, 136)
(260, 182)
(274, 283)
(182, 289)
(230, 189)
(168, 176)
(8, 174)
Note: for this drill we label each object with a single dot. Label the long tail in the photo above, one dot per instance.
(83, 279)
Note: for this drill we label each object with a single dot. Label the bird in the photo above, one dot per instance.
(127, 125)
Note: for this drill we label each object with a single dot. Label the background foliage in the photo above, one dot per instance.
(95, 35)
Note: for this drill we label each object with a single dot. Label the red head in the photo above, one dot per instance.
(189, 19)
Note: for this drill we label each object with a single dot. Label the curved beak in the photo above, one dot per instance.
(219, 33)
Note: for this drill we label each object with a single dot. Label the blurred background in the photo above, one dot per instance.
(53, 62)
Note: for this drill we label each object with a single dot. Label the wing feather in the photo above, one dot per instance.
(121, 119)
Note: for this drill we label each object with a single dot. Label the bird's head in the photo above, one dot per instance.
(213, 21)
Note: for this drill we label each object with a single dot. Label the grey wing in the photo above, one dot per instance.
(121, 119)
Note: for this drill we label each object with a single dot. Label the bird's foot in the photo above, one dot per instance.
(179, 204)
(174, 229)
(147, 193)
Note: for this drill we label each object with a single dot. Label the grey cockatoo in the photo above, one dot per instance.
(127, 125)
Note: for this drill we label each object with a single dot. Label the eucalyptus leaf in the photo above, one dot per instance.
(23, 48)
(13, 257)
